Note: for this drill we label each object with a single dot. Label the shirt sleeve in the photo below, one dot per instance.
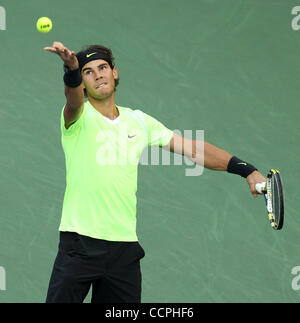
(158, 134)
(75, 127)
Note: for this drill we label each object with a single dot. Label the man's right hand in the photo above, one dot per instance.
(65, 54)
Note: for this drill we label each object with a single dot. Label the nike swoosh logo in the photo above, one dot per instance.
(131, 136)
(242, 164)
(89, 55)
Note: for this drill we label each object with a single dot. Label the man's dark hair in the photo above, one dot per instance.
(104, 50)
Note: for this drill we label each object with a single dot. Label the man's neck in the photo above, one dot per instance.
(107, 106)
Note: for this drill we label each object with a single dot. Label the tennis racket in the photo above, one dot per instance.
(272, 191)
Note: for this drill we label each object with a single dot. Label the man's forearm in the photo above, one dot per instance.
(200, 152)
(211, 156)
(215, 158)
(74, 96)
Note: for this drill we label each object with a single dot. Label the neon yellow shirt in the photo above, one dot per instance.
(101, 171)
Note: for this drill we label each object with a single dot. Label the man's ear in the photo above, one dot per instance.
(115, 72)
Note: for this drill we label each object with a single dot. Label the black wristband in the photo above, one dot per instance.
(72, 78)
(240, 167)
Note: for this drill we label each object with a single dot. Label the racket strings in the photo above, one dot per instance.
(275, 197)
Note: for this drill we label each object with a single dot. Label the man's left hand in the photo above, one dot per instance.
(254, 178)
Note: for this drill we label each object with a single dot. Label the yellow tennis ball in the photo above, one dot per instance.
(44, 25)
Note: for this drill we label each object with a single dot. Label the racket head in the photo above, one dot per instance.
(275, 199)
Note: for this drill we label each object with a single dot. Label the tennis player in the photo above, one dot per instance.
(102, 143)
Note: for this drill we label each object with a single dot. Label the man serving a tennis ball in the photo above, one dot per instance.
(98, 242)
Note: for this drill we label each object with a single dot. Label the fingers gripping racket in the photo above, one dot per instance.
(273, 194)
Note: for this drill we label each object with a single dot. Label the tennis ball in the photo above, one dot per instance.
(44, 25)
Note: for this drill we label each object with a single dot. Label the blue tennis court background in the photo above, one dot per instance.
(230, 68)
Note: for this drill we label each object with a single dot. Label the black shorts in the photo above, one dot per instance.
(111, 268)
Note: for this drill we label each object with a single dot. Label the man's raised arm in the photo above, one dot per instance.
(73, 83)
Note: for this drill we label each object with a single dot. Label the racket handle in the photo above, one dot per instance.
(261, 187)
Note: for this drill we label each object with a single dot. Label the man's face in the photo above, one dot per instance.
(99, 79)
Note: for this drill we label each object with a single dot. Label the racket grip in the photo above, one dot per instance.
(261, 187)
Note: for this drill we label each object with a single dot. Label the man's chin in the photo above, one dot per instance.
(101, 96)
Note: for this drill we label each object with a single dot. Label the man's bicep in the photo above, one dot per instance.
(180, 145)
(175, 144)
(71, 115)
